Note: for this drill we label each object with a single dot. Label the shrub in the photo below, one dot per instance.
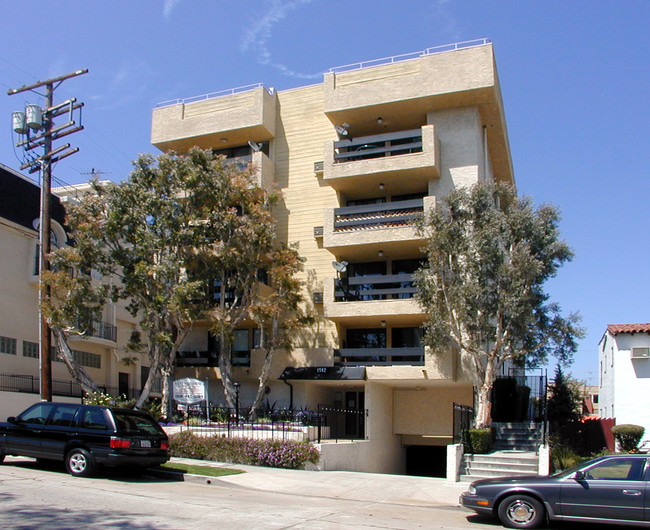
(563, 457)
(478, 441)
(270, 453)
(628, 436)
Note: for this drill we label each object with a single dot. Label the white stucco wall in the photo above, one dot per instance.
(624, 382)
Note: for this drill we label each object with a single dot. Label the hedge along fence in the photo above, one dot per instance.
(256, 452)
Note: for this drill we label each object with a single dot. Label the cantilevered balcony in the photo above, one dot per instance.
(365, 300)
(386, 226)
(215, 121)
(95, 330)
(404, 161)
(379, 356)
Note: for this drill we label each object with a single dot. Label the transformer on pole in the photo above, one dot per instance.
(35, 128)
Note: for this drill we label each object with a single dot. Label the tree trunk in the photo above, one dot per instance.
(483, 417)
(76, 370)
(225, 367)
(263, 379)
(154, 369)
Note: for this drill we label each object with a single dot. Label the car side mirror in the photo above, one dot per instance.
(11, 419)
(579, 475)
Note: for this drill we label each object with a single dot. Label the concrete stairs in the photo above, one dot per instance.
(514, 453)
(499, 464)
(517, 436)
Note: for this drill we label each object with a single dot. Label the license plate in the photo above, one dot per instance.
(145, 443)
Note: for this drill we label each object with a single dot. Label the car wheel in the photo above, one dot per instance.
(521, 511)
(2, 455)
(79, 463)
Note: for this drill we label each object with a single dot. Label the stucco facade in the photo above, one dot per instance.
(624, 381)
(100, 352)
(357, 158)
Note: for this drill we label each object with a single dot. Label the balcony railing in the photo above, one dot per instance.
(210, 358)
(384, 215)
(99, 330)
(378, 146)
(375, 287)
(413, 356)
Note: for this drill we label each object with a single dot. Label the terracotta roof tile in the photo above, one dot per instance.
(615, 329)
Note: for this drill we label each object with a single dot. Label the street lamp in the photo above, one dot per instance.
(237, 402)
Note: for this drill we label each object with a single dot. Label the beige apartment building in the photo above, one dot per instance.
(100, 351)
(357, 158)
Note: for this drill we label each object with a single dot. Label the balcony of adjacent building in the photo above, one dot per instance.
(218, 120)
(96, 331)
(406, 159)
(368, 227)
(373, 291)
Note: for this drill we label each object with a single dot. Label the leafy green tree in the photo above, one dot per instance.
(489, 254)
(182, 239)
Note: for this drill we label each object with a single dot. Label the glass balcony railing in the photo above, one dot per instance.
(375, 287)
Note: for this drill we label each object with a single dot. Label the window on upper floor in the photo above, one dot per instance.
(30, 349)
(8, 345)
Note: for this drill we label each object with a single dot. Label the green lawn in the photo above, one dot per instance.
(208, 471)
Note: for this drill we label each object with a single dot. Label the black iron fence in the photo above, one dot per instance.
(463, 420)
(326, 423)
(31, 385)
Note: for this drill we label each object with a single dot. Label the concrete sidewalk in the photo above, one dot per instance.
(397, 489)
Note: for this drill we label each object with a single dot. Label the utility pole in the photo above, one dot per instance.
(28, 125)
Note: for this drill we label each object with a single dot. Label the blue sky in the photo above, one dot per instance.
(574, 78)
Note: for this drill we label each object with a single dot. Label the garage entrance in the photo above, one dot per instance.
(426, 460)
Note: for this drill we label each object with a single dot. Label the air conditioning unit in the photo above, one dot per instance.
(640, 353)
(318, 167)
(318, 231)
(318, 298)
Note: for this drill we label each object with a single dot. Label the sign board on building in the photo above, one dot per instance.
(189, 390)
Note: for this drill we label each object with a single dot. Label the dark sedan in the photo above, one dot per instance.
(610, 489)
(84, 436)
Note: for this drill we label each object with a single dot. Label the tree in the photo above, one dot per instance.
(183, 238)
(564, 405)
(489, 254)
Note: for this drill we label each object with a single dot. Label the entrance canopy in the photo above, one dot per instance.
(324, 373)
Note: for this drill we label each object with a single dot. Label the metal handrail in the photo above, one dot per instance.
(407, 56)
(212, 95)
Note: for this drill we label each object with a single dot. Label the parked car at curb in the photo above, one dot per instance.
(85, 436)
(609, 489)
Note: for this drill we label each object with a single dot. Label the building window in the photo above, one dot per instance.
(30, 349)
(8, 345)
(84, 358)
(241, 351)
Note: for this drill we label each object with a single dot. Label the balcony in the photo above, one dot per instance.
(389, 227)
(96, 329)
(262, 164)
(216, 120)
(379, 287)
(404, 161)
(379, 356)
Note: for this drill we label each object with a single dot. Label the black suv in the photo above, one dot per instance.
(84, 436)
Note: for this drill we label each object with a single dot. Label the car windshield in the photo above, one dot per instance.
(128, 423)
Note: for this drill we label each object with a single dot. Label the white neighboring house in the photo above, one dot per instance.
(624, 355)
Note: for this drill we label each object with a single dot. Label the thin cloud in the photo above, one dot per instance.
(169, 7)
(256, 40)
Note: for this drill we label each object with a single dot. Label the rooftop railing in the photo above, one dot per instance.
(212, 95)
(407, 56)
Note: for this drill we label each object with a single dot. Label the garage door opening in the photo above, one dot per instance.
(426, 461)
